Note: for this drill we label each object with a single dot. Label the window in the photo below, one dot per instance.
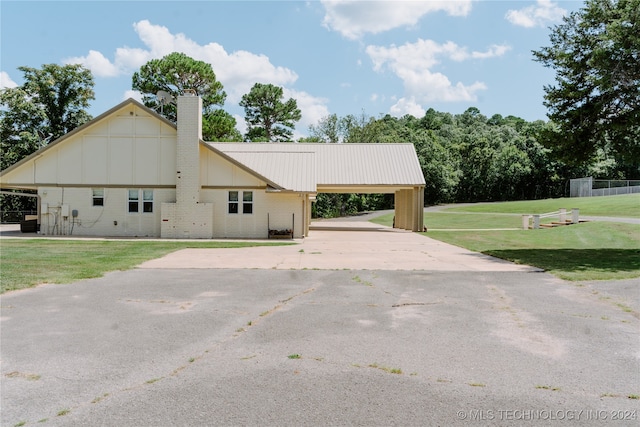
(134, 201)
(147, 201)
(98, 196)
(247, 202)
(233, 202)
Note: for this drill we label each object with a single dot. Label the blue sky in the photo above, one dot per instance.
(342, 57)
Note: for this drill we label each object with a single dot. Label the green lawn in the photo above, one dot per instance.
(588, 251)
(461, 220)
(615, 206)
(28, 262)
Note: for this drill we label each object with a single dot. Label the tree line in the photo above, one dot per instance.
(594, 112)
(464, 157)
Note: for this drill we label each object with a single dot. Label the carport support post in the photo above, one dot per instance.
(418, 208)
(401, 208)
(39, 210)
(409, 209)
(397, 209)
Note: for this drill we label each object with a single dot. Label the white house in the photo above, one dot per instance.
(131, 172)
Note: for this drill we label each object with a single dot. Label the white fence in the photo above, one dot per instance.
(534, 221)
(589, 187)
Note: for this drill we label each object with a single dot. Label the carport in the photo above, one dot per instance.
(408, 202)
(364, 168)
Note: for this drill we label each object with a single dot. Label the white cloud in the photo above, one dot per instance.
(494, 51)
(237, 71)
(241, 124)
(538, 15)
(311, 107)
(132, 94)
(406, 106)
(413, 63)
(6, 82)
(95, 61)
(354, 18)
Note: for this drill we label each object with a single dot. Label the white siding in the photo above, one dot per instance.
(46, 168)
(129, 146)
(69, 164)
(280, 208)
(111, 219)
(147, 161)
(120, 166)
(216, 171)
(95, 166)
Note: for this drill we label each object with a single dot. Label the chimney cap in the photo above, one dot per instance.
(189, 92)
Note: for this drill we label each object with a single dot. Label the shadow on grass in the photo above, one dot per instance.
(576, 263)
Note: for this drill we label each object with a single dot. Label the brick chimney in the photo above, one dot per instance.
(188, 158)
(188, 218)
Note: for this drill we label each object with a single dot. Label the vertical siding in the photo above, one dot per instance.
(128, 147)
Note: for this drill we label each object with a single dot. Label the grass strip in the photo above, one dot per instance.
(28, 262)
(627, 206)
(588, 251)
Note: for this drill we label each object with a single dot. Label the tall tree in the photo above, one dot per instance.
(51, 102)
(177, 72)
(330, 129)
(22, 126)
(268, 118)
(595, 102)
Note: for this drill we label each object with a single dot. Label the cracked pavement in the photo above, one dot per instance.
(160, 347)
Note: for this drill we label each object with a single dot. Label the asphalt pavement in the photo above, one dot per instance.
(479, 342)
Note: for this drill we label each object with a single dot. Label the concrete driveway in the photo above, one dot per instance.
(337, 245)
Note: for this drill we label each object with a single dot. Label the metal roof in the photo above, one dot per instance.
(291, 171)
(306, 165)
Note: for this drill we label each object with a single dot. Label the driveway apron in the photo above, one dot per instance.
(344, 245)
